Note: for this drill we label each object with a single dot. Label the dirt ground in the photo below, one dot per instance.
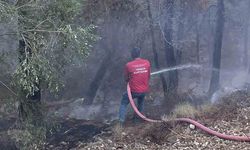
(230, 116)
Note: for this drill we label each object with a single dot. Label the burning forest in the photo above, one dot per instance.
(124, 74)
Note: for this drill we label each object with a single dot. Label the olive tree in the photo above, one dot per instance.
(49, 39)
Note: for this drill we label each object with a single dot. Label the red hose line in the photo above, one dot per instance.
(197, 124)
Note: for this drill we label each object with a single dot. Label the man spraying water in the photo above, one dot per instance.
(137, 74)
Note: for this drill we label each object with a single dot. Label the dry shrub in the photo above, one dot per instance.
(206, 107)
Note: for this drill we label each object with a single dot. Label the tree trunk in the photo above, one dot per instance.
(180, 32)
(30, 108)
(215, 77)
(169, 49)
(109, 44)
(156, 60)
(99, 76)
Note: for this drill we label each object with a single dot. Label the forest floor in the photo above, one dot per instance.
(230, 115)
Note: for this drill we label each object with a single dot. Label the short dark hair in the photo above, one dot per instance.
(135, 52)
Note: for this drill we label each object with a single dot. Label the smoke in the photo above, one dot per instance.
(96, 111)
(231, 82)
(77, 110)
(122, 31)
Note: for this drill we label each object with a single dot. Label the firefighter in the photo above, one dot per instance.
(137, 74)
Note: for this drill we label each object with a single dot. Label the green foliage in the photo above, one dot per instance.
(52, 41)
(33, 71)
(31, 137)
(8, 106)
(6, 11)
(28, 136)
(64, 9)
(80, 39)
(43, 14)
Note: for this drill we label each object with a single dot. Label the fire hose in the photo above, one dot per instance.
(187, 120)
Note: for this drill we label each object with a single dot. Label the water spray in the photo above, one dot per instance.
(180, 67)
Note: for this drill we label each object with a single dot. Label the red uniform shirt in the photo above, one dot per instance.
(137, 73)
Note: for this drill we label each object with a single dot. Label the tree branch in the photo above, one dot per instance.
(43, 31)
(8, 34)
(8, 88)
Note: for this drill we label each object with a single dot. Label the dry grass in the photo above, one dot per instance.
(181, 111)
(118, 132)
(184, 110)
(208, 109)
(168, 118)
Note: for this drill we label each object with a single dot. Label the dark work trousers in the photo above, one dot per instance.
(125, 101)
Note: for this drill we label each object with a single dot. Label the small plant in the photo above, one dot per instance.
(118, 131)
(185, 110)
(28, 135)
(31, 137)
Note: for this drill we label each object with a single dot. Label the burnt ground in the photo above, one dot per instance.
(66, 134)
(230, 115)
(72, 133)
